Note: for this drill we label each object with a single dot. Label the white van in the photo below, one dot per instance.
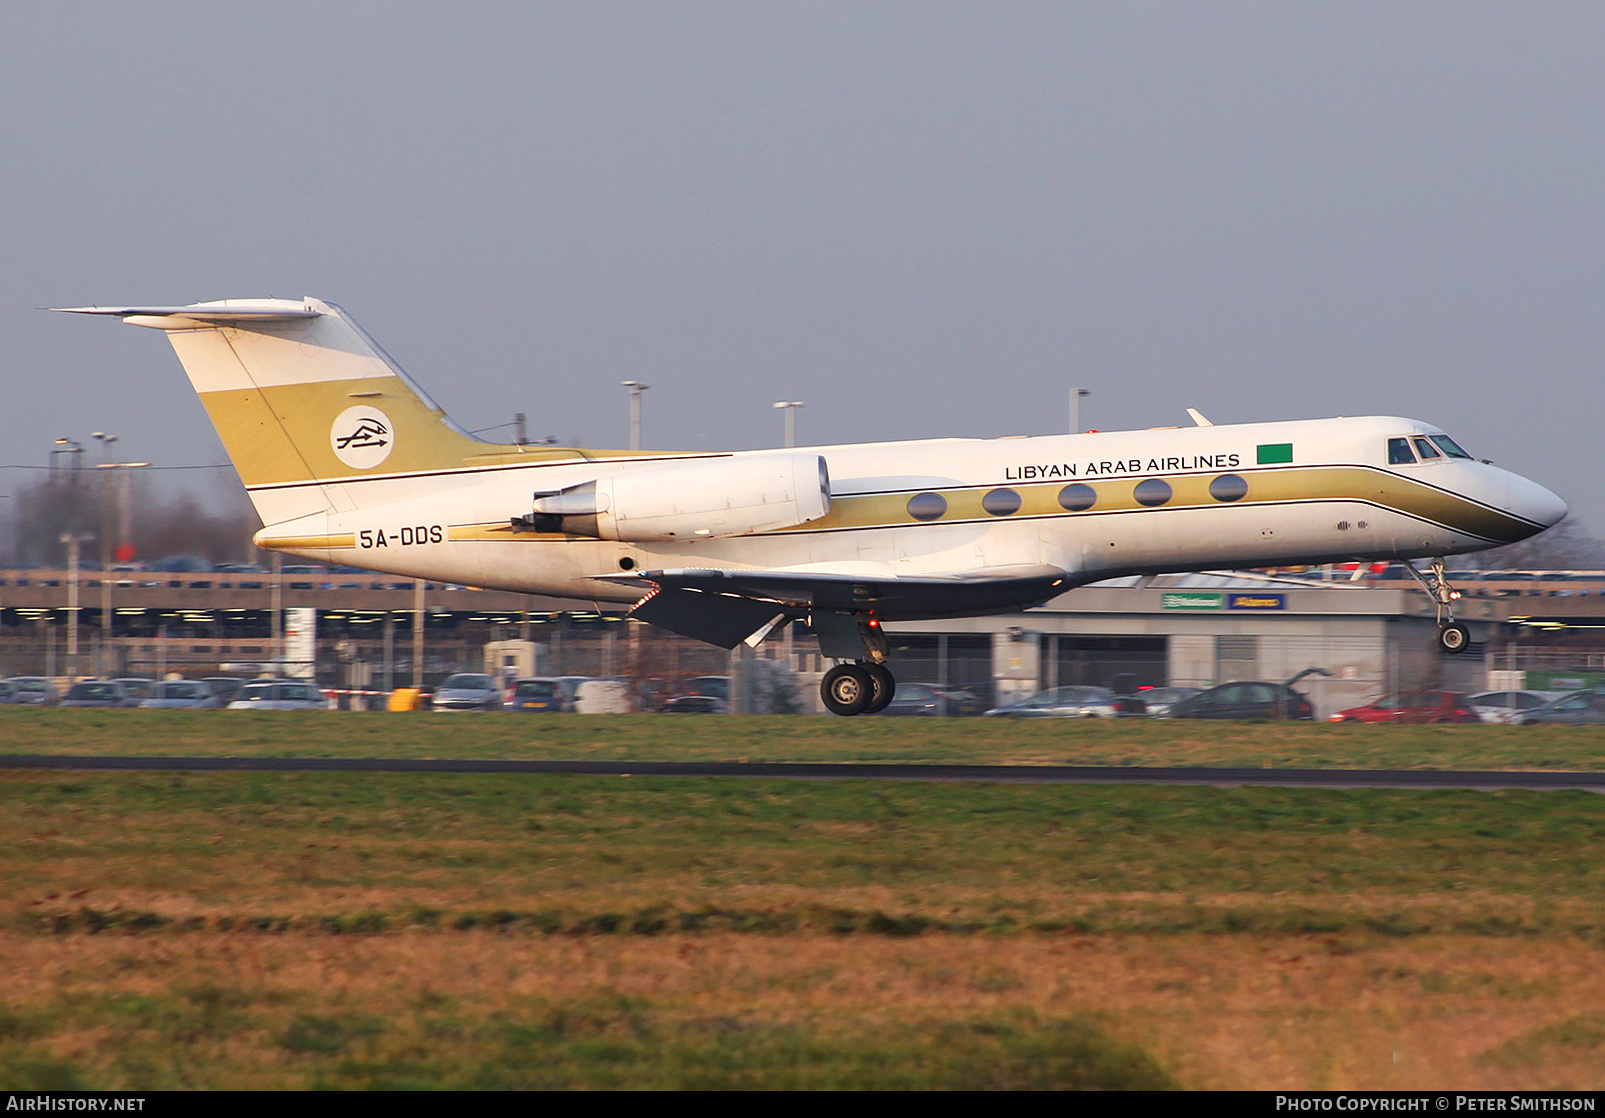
(604, 696)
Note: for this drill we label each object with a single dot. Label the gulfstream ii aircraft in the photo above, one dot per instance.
(348, 461)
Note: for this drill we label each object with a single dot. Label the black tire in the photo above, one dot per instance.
(885, 687)
(1454, 638)
(847, 689)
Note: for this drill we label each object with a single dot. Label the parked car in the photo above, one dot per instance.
(225, 687)
(694, 704)
(140, 689)
(1245, 699)
(541, 695)
(1509, 706)
(279, 694)
(468, 691)
(305, 569)
(717, 686)
(33, 690)
(247, 569)
(1580, 708)
(1413, 707)
(182, 694)
(98, 693)
(1071, 702)
(8, 693)
(931, 699)
(1159, 700)
(603, 696)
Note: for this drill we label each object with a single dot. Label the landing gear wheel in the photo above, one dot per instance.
(885, 687)
(847, 689)
(1454, 637)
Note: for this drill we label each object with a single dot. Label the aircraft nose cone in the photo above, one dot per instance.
(1532, 501)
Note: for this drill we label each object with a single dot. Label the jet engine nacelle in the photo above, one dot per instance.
(706, 498)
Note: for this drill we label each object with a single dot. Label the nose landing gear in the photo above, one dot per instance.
(1453, 637)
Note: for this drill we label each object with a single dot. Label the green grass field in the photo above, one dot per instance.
(248, 930)
(782, 738)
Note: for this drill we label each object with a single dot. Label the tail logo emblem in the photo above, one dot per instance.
(362, 437)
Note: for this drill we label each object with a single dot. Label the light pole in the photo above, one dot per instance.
(791, 407)
(72, 541)
(636, 388)
(122, 553)
(66, 446)
(1075, 409)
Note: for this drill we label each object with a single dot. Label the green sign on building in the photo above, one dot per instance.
(1191, 600)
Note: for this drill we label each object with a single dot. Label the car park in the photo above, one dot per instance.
(468, 691)
(930, 700)
(1413, 708)
(182, 694)
(1580, 708)
(279, 694)
(98, 693)
(1246, 699)
(33, 690)
(1072, 702)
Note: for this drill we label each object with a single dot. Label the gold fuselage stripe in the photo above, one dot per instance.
(1284, 486)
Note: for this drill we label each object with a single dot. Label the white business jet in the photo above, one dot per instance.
(348, 461)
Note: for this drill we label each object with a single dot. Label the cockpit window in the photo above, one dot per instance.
(1449, 446)
(1426, 450)
(1399, 453)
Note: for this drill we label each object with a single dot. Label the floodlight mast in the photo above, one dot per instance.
(790, 407)
(636, 388)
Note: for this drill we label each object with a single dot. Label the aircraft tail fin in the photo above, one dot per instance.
(304, 400)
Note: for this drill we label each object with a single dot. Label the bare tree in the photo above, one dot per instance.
(80, 503)
(62, 504)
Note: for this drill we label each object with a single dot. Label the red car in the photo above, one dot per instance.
(1414, 707)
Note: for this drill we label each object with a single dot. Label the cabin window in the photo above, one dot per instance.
(1001, 502)
(1077, 497)
(1427, 451)
(1449, 446)
(1228, 487)
(927, 506)
(1152, 492)
(1399, 453)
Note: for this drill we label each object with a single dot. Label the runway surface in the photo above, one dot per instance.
(803, 770)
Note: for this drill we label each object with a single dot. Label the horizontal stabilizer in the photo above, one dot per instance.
(218, 313)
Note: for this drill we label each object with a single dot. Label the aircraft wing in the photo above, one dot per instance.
(726, 607)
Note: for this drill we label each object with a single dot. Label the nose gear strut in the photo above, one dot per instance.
(1453, 637)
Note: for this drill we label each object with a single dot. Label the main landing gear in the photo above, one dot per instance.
(865, 685)
(1453, 637)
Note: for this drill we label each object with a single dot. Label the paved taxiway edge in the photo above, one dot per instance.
(806, 770)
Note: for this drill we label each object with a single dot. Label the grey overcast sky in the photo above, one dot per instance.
(923, 219)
